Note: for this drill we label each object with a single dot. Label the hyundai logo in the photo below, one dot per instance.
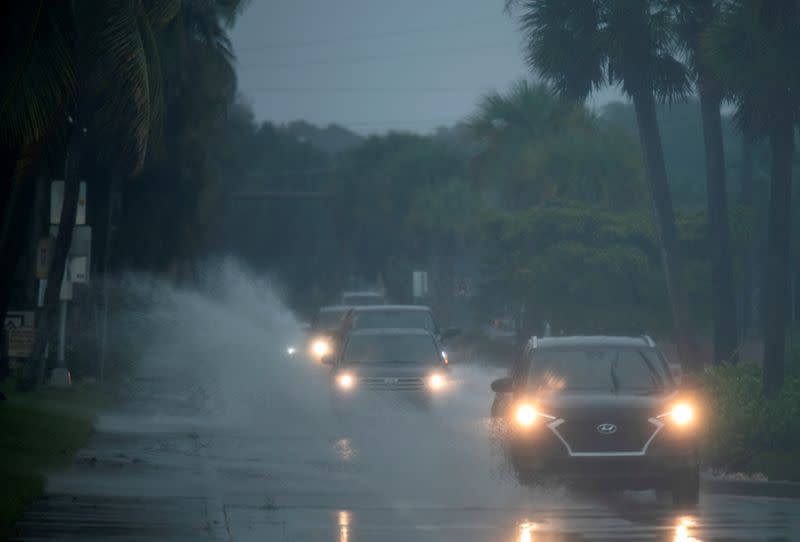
(606, 428)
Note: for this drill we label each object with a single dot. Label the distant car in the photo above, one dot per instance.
(601, 411)
(396, 317)
(363, 298)
(324, 330)
(390, 360)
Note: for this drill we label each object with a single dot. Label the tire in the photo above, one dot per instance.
(686, 488)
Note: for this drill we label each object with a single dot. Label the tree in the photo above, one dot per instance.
(537, 146)
(579, 46)
(753, 47)
(693, 18)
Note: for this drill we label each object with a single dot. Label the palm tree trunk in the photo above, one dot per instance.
(747, 192)
(61, 248)
(723, 294)
(645, 106)
(776, 282)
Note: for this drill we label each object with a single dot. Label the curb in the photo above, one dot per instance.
(750, 488)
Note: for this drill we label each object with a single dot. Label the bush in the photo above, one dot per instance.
(746, 432)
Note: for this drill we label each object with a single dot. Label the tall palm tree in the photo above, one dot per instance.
(101, 74)
(692, 19)
(580, 46)
(754, 48)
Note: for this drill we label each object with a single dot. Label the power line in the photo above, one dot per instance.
(364, 89)
(359, 37)
(373, 58)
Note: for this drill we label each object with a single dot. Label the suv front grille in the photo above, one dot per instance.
(390, 383)
(583, 436)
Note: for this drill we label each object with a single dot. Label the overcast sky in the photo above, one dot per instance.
(375, 65)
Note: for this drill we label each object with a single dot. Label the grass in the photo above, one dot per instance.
(39, 431)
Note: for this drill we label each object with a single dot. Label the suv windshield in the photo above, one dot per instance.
(362, 299)
(397, 319)
(414, 349)
(328, 319)
(598, 370)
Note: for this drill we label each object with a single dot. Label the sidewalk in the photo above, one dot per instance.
(142, 477)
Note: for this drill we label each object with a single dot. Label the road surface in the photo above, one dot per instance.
(192, 454)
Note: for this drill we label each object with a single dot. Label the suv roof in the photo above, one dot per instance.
(590, 341)
(390, 331)
(366, 308)
(334, 308)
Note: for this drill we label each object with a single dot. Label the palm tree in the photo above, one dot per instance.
(580, 46)
(753, 48)
(693, 18)
(101, 73)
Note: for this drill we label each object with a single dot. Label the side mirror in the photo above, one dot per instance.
(503, 385)
(326, 360)
(450, 332)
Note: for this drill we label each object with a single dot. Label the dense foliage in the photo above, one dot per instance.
(745, 431)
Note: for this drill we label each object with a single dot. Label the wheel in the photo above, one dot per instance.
(686, 488)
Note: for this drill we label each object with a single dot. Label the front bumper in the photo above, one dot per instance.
(653, 462)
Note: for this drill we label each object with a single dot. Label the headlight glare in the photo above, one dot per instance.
(682, 414)
(345, 381)
(525, 415)
(436, 382)
(320, 348)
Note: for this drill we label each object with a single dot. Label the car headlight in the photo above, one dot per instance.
(436, 382)
(526, 415)
(682, 414)
(320, 348)
(345, 381)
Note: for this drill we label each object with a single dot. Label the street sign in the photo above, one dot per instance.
(79, 260)
(57, 202)
(20, 333)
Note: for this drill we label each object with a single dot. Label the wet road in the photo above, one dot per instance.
(197, 455)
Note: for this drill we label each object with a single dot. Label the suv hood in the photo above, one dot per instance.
(591, 406)
(367, 370)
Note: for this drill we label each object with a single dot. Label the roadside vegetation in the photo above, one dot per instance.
(746, 432)
(41, 431)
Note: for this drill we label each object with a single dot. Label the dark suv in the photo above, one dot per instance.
(600, 411)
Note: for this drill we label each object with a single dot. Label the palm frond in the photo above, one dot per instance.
(117, 72)
(562, 44)
(161, 12)
(40, 81)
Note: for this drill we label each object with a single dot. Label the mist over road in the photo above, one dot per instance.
(222, 436)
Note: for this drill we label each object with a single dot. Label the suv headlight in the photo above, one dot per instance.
(436, 381)
(681, 413)
(345, 381)
(321, 347)
(526, 415)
